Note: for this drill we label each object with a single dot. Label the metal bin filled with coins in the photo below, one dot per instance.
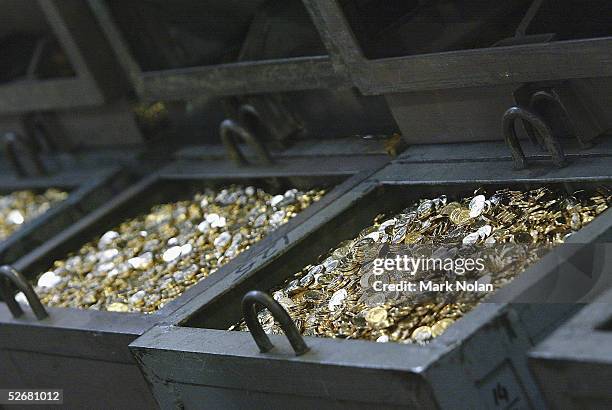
(34, 210)
(312, 326)
(131, 262)
(36, 207)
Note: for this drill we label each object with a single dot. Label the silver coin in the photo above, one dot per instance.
(477, 205)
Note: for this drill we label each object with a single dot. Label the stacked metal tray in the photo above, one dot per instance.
(190, 359)
(572, 366)
(93, 344)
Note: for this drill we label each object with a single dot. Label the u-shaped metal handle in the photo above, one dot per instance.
(254, 297)
(565, 118)
(230, 130)
(246, 112)
(13, 144)
(10, 275)
(540, 126)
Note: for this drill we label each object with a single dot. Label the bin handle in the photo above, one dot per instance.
(509, 131)
(553, 98)
(8, 274)
(229, 131)
(279, 313)
(17, 150)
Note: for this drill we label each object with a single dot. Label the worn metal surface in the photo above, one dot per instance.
(573, 365)
(87, 361)
(88, 51)
(449, 115)
(492, 152)
(541, 128)
(346, 147)
(190, 363)
(11, 277)
(297, 73)
(249, 302)
(46, 95)
(69, 333)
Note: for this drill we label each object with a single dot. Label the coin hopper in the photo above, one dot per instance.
(71, 332)
(416, 374)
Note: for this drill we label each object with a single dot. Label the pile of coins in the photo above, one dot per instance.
(20, 207)
(147, 261)
(509, 229)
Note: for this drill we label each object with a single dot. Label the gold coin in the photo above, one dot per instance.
(376, 316)
(117, 307)
(313, 295)
(464, 216)
(449, 208)
(325, 279)
(440, 326)
(421, 334)
(460, 216)
(412, 237)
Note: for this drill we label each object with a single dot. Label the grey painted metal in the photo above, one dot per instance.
(473, 113)
(94, 344)
(299, 167)
(230, 131)
(542, 129)
(573, 366)
(26, 164)
(85, 44)
(342, 146)
(479, 362)
(442, 116)
(10, 277)
(249, 302)
(456, 69)
(299, 73)
(492, 152)
(46, 95)
(88, 361)
(90, 188)
(290, 74)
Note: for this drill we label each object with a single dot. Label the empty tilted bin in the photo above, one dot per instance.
(573, 365)
(219, 49)
(193, 359)
(43, 66)
(413, 46)
(449, 69)
(411, 28)
(94, 343)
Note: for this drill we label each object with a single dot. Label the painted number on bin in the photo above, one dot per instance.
(501, 389)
